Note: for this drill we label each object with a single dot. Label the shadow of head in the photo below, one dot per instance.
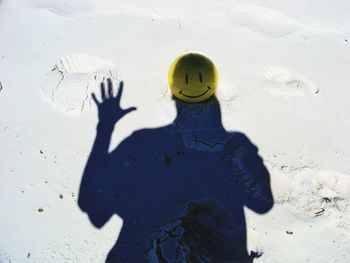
(206, 114)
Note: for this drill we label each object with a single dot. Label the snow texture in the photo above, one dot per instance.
(283, 81)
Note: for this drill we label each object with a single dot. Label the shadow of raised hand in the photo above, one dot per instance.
(109, 110)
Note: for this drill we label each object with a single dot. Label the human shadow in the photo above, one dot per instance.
(180, 189)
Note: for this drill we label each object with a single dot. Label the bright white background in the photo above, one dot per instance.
(283, 80)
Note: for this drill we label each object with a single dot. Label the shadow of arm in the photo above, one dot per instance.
(241, 157)
(91, 195)
(259, 198)
(96, 189)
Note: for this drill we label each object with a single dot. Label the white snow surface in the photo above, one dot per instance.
(283, 81)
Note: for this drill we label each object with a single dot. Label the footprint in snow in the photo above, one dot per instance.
(68, 85)
(283, 82)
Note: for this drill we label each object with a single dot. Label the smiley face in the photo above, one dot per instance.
(193, 78)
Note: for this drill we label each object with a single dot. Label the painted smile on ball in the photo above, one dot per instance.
(192, 78)
(197, 96)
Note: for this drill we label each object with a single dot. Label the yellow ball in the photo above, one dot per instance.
(193, 78)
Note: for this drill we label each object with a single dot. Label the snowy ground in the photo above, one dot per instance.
(283, 81)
